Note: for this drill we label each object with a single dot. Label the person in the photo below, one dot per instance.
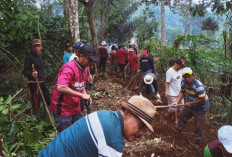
(148, 79)
(173, 86)
(135, 49)
(197, 104)
(113, 59)
(147, 66)
(101, 133)
(121, 60)
(70, 88)
(221, 147)
(133, 62)
(77, 48)
(35, 58)
(103, 57)
(68, 53)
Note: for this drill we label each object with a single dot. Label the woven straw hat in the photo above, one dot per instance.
(142, 108)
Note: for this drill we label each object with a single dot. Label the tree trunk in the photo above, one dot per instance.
(89, 12)
(72, 9)
(163, 22)
(190, 22)
(102, 24)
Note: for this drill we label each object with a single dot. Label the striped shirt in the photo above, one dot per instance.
(97, 134)
(195, 91)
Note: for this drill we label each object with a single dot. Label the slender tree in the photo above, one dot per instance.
(162, 22)
(72, 11)
(89, 11)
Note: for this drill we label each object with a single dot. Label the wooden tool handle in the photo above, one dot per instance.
(166, 106)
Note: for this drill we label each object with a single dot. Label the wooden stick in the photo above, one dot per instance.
(130, 81)
(164, 106)
(45, 104)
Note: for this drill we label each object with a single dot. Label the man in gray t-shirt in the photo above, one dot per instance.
(173, 86)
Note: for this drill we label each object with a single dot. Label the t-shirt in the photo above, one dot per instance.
(73, 76)
(66, 57)
(72, 57)
(173, 77)
(97, 134)
(103, 52)
(113, 58)
(120, 55)
(213, 150)
(195, 91)
(147, 63)
(133, 61)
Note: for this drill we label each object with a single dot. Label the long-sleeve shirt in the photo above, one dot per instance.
(147, 63)
(33, 58)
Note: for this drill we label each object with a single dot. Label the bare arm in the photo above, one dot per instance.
(198, 101)
(180, 96)
(68, 91)
(166, 88)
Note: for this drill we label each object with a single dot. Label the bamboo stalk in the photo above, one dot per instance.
(166, 106)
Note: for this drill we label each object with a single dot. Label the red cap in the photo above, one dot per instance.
(182, 63)
(144, 52)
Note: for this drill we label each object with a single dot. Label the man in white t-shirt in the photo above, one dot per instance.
(173, 86)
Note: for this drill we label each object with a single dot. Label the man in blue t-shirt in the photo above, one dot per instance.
(101, 133)
(67, 53)
(197, 104)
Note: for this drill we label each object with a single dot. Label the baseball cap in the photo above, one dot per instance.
(88, 50)
(225, 137)
(187, 70)
(36, 41)
(144, 52)
(180, 62)
(78, 45)
(142, 108)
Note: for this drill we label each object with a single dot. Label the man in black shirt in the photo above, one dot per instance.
(34, 58)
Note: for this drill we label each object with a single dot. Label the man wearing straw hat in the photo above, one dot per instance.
(35, 58)
(196, 106)
(102, 133)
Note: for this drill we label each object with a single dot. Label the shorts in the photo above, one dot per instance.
(171, 100)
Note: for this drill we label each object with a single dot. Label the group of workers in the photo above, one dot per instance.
(102, 133)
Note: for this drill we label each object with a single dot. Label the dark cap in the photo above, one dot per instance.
(180, 62)
(88, 50)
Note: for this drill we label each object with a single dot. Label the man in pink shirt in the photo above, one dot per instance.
(70, 88)
(120, 55)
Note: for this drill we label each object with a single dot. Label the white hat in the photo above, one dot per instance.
(131, 50)
(103, 43)
(187, 70)
(225, 137)
(148, 78)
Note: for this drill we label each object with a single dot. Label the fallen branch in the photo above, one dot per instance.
(17, 93)
(130, 81)
(20, 113)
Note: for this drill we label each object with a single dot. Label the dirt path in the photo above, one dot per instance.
(108, 93)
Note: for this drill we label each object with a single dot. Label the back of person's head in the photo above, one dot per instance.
(171, 62)
(113, 47)
(119, 47)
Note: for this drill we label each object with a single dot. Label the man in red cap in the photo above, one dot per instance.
(147, 66)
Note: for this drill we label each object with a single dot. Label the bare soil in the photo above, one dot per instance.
(108, 93)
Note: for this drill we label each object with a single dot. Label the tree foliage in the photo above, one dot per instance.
(209, 24)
